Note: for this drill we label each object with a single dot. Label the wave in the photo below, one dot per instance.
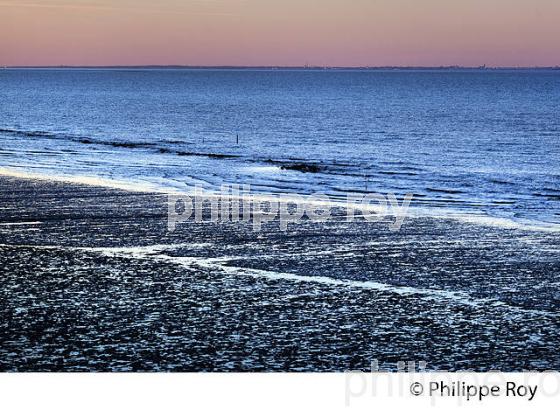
(500, 182)
(335, 167)
(29, 133)
(336, 177)
(305, 167)
(401, 173)
(85, 180)
(168, 147)
(116, 144)
(155, 147)
(549, 197)
(445, 190)
(418, 209)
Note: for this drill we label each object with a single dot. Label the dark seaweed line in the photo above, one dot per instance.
(300, 166)
(291, 164)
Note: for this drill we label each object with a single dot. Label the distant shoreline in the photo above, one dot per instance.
(303, 68)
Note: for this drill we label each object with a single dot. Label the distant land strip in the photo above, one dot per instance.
(310, 67)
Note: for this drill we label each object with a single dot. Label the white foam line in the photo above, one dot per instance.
(412, 212)
(154, 251)
(20, 223)
(484, 220)
(323, 280)
(82, 180)
(49, 247)
(462, 298)
(132, 251)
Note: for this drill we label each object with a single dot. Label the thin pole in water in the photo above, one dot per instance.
(237, 139)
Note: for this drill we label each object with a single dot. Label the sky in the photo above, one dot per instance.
(280, 32)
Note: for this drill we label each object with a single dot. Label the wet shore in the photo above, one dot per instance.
(92, 280)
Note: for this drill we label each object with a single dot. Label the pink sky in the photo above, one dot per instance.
(280, 32)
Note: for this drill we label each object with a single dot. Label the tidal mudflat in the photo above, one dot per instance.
(91, 280)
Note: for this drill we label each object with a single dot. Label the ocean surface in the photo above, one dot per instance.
(471, 142)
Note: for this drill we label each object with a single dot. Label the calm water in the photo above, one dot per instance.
(476, 142)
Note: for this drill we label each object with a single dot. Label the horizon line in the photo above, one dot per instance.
(280, 67)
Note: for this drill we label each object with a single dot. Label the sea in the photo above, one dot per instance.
(478, 143)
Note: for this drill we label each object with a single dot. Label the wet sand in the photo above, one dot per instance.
(91, 280)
